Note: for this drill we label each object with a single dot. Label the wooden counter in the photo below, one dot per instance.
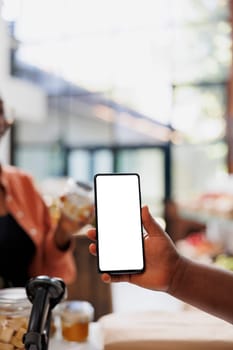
(192, 330)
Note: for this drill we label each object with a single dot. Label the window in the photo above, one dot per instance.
(168, 60)
(41, 161)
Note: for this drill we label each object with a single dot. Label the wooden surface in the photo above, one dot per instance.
(88, 285)
(150, 330)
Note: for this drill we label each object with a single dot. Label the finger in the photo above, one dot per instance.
(151, 226)
(91, 233)
(92, 249)
(106, 278)
(120, 278)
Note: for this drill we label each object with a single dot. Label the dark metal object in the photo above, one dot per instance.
(44, 293)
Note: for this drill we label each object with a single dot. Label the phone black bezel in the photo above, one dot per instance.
(118, 272)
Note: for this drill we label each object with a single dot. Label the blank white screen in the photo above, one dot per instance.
(120, 244)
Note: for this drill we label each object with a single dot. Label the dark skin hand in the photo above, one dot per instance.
(160, 256)
(202, 286)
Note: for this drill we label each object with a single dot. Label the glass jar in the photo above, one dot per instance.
(77, 201)
(75, 318)
(15, 310)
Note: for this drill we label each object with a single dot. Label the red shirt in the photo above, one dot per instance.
(26, 205)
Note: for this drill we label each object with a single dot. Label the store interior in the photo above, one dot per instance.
(126, 86)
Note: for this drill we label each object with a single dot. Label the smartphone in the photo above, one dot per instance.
(120, 248)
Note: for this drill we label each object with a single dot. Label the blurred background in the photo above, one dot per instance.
(126, 86)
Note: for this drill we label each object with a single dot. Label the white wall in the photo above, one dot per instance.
(23, 100)
(28, 103)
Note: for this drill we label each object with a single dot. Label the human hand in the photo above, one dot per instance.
(71, 225)
(67, 228)
(74, 209)
(161, 257)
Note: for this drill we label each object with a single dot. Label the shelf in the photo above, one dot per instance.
(204, 217)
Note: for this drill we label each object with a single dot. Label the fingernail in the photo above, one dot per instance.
(107, 278)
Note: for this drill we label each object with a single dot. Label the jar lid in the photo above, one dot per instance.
(77, 310)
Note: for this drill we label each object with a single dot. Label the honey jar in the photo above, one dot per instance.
(75, 318)
(77, 201)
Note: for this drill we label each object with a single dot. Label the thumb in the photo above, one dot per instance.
(149, 223)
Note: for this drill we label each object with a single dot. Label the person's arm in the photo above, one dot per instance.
(205, 287)
(208, 288)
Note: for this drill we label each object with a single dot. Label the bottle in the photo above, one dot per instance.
(77, 201)
(75, 318)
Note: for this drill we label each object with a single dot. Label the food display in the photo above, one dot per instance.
(197, 246)
(214, 204)
(12, 331)
(214, 208)
(14, 314)
(215, 201)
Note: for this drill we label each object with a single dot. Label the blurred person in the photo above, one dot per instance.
(31, 243)
(205, 287)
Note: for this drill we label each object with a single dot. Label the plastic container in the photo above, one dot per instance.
(77, 201)
(75, 319)
(15, 310)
